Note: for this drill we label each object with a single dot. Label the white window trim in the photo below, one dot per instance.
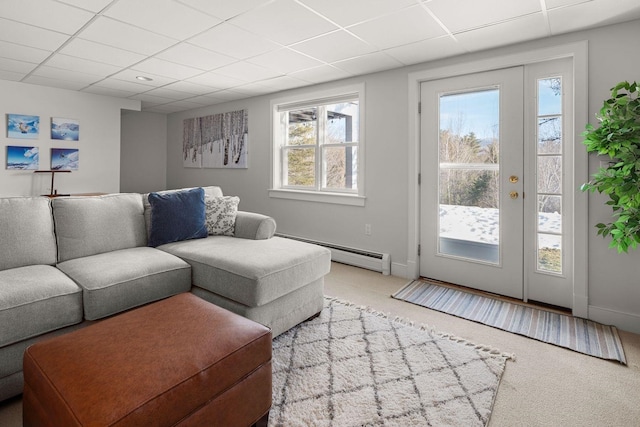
(323, 196)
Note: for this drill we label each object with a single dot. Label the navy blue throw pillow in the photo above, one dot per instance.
(176, 216)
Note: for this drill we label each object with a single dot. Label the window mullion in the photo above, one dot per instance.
(322, 132)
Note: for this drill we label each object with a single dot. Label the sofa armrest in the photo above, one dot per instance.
(254, 226)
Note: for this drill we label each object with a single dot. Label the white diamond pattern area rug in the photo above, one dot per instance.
(354, 367)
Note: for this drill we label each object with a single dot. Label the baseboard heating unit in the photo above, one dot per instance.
(357, 257)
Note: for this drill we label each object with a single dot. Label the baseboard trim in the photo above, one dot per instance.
(399, 270)
(621, 320)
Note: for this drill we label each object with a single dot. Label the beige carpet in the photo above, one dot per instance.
(545, 386)
(353, 367)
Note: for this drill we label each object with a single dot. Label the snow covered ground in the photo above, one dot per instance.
(481, 225)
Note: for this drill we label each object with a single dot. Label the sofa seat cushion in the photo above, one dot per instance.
(252, 272)
(116, 281)
(34, 300)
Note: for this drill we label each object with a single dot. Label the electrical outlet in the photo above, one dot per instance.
(367, 229)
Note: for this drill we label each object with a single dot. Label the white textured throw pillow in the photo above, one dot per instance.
(221, 214)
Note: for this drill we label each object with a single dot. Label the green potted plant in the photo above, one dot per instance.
(618, 137)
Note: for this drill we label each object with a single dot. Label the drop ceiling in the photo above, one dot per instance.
(204, 52)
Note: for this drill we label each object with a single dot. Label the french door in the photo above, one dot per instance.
(492, 194)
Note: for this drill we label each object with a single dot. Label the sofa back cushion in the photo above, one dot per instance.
(94, 225)
(26, 232)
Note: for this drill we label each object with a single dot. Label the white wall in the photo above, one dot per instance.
(143, 155)
(614, 280)
(99, 144)
(386, 159)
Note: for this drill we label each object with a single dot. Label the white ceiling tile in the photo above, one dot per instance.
(123, 85)
(334, 47)
(22, 53)
(246, 72)
(101, 53)
(146, 97)
(28, 35)
(552, 4)
(70, 75)
(227, 95)
(591, 14)
(173, 95)
(352, 12)
(526, 28)
(285, 61)
(321, 74)
(11, 76)
(195, 56)
(253, 89)
(15, 66)
(284, 82)
(426, 50)
(184, 105)
(244, 45)
(163, 17)
(241, 48)
(407, 26)
(91, 5)
(130, 75)
(160, 67)
(49, 82)
(124, 36)
(217, 81)
(223, 9)
(284, 21)
(72, 63)
(188, 87)
(479, 13)
(371, 63)
(45, 14)
(101, 90)
(207, 100)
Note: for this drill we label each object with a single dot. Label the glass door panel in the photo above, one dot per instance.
(469, 171)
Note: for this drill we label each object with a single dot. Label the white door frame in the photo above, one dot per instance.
(578, 51)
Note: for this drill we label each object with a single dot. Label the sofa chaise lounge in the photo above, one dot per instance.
(69, 261)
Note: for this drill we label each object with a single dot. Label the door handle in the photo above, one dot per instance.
(513, 194)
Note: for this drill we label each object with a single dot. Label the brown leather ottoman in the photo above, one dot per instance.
(177, 362)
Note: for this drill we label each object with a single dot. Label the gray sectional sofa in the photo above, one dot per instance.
(69, 261)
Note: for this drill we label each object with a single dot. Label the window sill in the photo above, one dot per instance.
(321, 197)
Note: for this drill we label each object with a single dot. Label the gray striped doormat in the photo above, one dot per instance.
(581, 335)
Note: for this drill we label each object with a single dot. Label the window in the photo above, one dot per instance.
(549, 171)
(318, 148)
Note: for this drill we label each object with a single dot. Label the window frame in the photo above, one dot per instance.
(319, 192)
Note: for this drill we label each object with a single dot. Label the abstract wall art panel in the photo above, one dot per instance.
(217, 141)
